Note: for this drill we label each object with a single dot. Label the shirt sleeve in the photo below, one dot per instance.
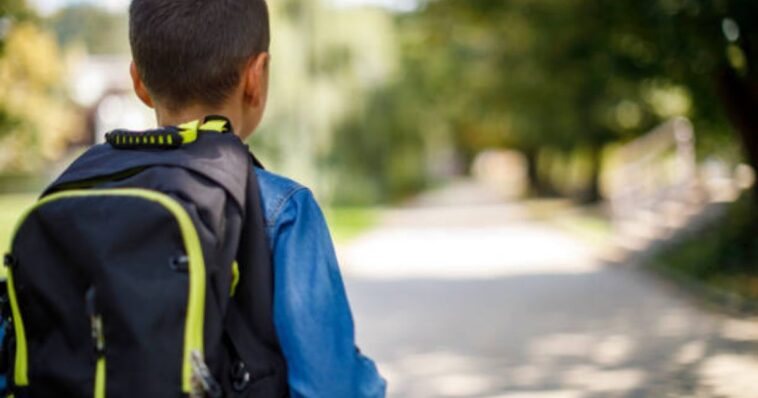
(311, 312)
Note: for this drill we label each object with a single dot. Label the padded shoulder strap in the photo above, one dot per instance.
(249, 321)
(255, 289)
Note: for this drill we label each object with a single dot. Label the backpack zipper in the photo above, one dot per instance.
(98, 340)
(195, 319)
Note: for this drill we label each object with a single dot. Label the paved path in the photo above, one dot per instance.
(480, 300)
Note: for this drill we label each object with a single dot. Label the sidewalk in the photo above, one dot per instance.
(474, 298)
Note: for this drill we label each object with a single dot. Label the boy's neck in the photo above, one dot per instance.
(190, 113)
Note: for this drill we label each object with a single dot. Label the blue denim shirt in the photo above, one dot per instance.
(311, 311)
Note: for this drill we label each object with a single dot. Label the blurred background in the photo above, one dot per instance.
(530, 198)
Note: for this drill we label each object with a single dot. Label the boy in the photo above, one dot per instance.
(196, 58)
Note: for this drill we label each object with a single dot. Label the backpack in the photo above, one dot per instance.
(144, 271)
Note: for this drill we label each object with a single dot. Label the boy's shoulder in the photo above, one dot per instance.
(277, 193)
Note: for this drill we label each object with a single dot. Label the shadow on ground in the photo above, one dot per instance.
(456, 297)
(612, 332)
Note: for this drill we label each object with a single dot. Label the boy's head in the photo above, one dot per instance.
(201, 54)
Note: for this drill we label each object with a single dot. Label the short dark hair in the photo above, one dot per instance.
(194, 51)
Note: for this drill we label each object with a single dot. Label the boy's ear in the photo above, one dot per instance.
(256, 80)
(139, 87)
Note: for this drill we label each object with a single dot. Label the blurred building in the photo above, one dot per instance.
(326, 59)
(102, 86)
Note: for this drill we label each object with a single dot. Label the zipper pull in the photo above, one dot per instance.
(203, 383)
(96, 322)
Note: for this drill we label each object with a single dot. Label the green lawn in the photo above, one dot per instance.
(586, 223)
(723, 255)
(11, 207)
(346, 223)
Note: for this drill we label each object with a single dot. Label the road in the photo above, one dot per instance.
(460, 295)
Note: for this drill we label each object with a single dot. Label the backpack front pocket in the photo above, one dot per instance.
(140, 251)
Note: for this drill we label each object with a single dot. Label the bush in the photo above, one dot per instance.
(723, 254)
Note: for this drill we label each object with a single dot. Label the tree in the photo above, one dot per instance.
(102, 32)
(579, 74)
(533, 74)
(35, 117)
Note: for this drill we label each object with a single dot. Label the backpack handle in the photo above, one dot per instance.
(170, 137)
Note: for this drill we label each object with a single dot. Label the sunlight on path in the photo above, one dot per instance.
(480, 300)
(465, 252)
(464, 231)
(731, 375)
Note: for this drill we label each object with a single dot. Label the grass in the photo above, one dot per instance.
(11, 207)
(586, 223)
(345, 222)
(722, 256)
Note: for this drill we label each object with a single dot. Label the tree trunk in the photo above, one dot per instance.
(591, 194)
(537, 187)
(532, 172)
(740, 97)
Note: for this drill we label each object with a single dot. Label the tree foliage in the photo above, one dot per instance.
(569, 75)
(100, 31)
(35, 116)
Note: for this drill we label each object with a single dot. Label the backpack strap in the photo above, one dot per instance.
(257, 163)
(249, 320)
(255, 289)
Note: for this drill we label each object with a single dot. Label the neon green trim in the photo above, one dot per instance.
(193, 330)
(218, 126)
(189, 136)
(21, 370)
(170, 140)
(21, 362)
(235, 278)
(189, 131)
(193, 125)
(100, 378)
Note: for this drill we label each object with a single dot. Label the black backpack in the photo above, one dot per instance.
(144, 271)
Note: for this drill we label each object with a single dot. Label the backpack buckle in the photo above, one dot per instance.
(179, 263)
(10, 261)
(240, 376)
